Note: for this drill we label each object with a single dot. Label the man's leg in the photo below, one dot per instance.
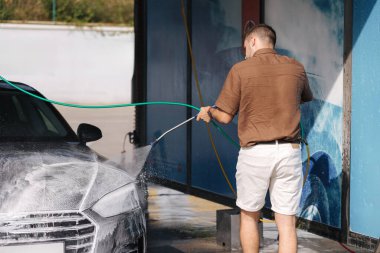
(285, 194)
(249, 231)
(286, 225)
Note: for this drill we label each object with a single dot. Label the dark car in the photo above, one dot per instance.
(56, 194)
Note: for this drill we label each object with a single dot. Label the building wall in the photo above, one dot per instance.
(216, 39)
(365, 158)
(216, 35)
(70, 64)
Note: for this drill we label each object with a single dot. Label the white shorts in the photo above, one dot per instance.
(277, 167)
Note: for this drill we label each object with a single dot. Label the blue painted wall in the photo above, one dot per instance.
(216, 32)
(166, 81)
(365, 135)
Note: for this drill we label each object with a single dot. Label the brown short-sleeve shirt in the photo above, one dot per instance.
(266, 90)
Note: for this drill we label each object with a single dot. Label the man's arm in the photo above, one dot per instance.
(227, 103)
(207, 113)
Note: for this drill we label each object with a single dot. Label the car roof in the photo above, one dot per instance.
(5, 86)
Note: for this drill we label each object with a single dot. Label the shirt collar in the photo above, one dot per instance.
(265, 51)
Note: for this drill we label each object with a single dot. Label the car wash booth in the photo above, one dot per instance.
(337, 41)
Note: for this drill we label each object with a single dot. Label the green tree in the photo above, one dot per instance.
(70, 11)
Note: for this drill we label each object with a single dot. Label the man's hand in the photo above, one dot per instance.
(204, 114)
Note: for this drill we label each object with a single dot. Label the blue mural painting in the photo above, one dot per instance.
(312, 32)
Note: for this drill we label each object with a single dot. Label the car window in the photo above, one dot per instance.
(22, 116)
(48, 123)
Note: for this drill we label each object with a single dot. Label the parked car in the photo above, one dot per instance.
(56, 194)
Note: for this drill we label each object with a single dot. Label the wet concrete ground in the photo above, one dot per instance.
(178, 222)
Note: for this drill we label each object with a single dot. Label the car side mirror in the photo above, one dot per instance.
(88, 133)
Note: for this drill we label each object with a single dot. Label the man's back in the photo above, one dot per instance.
(267, 90)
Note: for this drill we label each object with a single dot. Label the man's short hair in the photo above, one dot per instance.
(263, 31)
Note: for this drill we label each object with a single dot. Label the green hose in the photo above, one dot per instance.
(119, 105)
(97, 106)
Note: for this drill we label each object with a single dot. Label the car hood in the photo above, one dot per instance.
(54, 177)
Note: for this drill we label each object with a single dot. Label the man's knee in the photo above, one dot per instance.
(250, 216)
(285, 221)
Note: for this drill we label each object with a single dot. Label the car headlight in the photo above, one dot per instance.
(119, 201)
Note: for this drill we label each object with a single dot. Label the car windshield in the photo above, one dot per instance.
(23, 117)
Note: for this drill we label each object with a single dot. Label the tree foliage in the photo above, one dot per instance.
(69, 11)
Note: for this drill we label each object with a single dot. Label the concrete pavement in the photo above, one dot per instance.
(182, 223)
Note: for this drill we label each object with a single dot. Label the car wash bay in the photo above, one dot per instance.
(179, 222)
(335, 40)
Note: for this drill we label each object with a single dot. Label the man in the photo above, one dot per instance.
(266, 89)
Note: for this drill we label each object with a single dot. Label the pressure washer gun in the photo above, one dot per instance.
(172, 129)
(180, 124)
